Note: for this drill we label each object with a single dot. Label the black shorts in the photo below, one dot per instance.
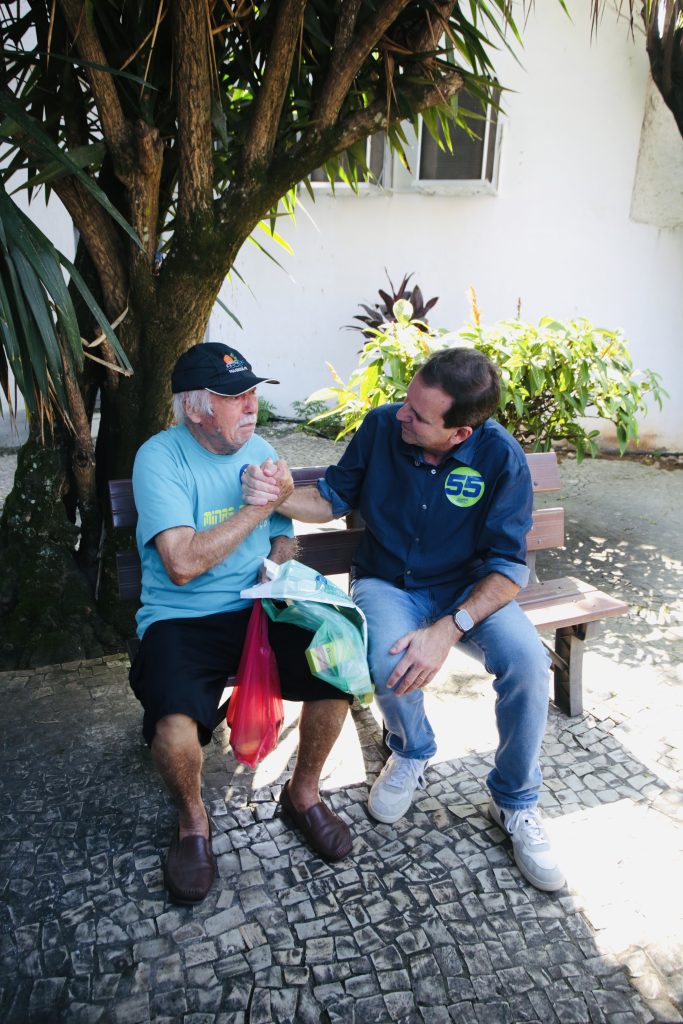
(183, 664)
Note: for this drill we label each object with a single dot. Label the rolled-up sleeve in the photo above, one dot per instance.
(339, 506)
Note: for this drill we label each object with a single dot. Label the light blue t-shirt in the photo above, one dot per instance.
(178, 482)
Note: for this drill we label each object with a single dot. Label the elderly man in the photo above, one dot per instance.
(200, 546)
(446, 496)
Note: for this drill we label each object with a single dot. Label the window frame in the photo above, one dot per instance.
(376, 187)
(458, 186)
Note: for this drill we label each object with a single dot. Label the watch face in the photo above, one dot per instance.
(463, 620)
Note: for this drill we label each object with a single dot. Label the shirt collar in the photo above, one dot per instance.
(466, 452)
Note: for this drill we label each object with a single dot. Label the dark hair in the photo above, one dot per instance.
(472, 381)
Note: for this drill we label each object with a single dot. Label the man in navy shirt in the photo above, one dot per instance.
(446, 496)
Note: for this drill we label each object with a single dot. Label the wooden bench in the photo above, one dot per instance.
(569, 606)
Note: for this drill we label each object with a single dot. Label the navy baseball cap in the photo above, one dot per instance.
(213, 366)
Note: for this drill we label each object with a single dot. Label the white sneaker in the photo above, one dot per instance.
(393, 790)
(530, 845)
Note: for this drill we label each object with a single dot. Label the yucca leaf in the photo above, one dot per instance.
(228, 311)
(40, 312)
(83, 156)
(14, 110)
(97, 313)
(42, 257)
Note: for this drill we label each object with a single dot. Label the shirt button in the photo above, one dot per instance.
(417, 462)
(409, 572)
(424, 506)
(417, 540)
(433, 472)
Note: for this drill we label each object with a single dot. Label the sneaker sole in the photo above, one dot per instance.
(537, 882)
(387, 819)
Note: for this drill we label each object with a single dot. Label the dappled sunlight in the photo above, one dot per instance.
(272, 767)
(344, 767)
(646, 708)
(624, 863)
(462, 726)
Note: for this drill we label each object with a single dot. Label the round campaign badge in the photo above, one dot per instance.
(464, 487)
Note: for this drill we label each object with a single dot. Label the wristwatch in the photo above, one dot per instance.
(463, 620)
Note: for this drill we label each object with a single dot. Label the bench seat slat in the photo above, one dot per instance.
(566, 602)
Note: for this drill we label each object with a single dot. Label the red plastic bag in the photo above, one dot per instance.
(255, 712)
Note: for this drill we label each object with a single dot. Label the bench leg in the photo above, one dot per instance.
(568, 665)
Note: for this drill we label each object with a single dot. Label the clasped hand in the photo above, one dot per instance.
(268, 484)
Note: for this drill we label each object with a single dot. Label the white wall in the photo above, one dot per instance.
(557, 234)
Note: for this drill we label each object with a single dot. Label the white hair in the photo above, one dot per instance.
(198, 402)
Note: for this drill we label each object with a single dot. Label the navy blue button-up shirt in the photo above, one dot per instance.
(442, 527)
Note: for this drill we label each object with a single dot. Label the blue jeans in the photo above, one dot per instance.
(505, 643)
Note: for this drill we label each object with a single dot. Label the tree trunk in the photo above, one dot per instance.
(46, 602)
(58, 600)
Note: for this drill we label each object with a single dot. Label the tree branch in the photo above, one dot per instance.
(115, 128)
(241, 208)
(345, 28)
(362, 123)
(262, 133)
(428, 37)
(101, 241)
(345, 66)
(192, 43)
(144, 190)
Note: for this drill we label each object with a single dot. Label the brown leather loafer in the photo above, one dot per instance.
(190, 868)
(325, 832)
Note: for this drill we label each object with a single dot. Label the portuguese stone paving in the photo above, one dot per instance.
(427, 920)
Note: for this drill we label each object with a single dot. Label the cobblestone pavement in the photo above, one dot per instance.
(427, 920)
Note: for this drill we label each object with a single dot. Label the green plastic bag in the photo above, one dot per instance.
(337, 653)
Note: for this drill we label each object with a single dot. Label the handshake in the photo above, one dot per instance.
(268, 484)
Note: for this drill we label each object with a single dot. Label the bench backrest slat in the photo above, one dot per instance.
(547, 529)
(124, 513)
(545, 471)
(331, 551)
(123, 510)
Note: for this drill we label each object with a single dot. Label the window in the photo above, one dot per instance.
(473, 160)
(375, 147)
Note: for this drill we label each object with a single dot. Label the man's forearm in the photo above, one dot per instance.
(307, 505)
(187, 553)
(282, 549)
(487, 596)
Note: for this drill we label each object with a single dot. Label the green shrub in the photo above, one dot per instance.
(309, 412)
(553, 375)
(266, 412)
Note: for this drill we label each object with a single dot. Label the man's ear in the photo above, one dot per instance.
(460, 434)
(190, 414)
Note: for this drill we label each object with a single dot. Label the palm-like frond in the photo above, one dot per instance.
(41, 342)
